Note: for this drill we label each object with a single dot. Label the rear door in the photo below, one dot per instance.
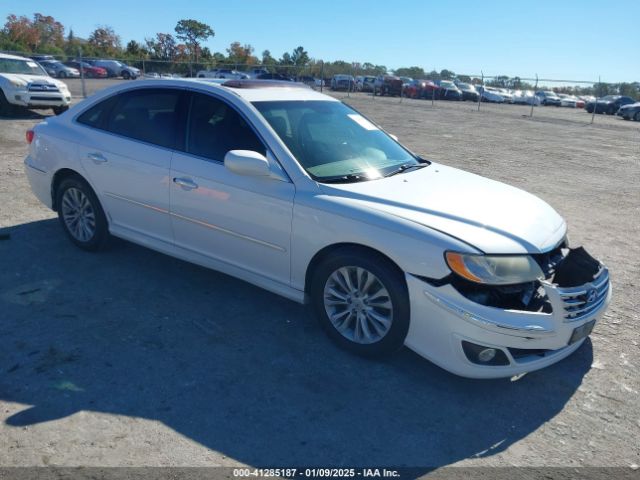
(126, 152)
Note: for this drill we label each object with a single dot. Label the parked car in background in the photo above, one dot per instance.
(322, 206)
(570, 101)
(115, 68)
(343, 82)
(307, 80)
(25, 84)
(631, 111)
(254, 72)
(220, 73)
(506, 94)
(387, 85)
(366, 84)
(548, 97)
(273, 76)
(608, 104)
(39, 58)
(58, 69)
(448, 90)
(468, 92)
(526, 97)
(406, 80)
(421, 89)
(490, 94)
(88, 70)
(587, 98)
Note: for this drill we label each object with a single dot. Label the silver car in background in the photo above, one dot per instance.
(58, 69)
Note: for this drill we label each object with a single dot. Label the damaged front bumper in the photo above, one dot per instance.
(444, 322)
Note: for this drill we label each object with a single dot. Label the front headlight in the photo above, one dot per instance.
(18, 83)
(494, 269)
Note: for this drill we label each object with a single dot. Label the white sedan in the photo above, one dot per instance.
(298, 193)
(490, 94)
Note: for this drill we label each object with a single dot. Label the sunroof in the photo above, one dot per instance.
(263, 84)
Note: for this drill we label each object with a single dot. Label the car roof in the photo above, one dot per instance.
(271, 91)
(13, 57)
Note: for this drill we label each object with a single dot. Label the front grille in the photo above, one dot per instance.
(581, 301)
(45, 99)
(43, 87)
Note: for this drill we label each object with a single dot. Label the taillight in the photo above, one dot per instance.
(30, 135)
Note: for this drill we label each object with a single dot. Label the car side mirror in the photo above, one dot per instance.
(247, 162)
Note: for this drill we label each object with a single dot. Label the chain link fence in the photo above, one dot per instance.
(532, 94)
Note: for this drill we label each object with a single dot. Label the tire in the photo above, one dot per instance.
(636, 117)
(60, 110)
(357, 323)
(5, 107)
(62, 74)
(74, 195)
(126, 75)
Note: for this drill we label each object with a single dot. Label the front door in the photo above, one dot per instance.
(243, 221)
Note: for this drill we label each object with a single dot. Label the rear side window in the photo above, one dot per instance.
(149, 115)
(96, 115)
(216, 128)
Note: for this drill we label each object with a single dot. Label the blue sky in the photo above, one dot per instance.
(569, 39)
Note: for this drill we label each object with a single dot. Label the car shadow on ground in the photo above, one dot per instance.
(237, 369)
(24, 114)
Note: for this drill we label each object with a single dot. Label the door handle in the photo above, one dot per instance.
(97, 158)
(185, 183)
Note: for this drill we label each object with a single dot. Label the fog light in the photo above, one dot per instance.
(483, 355)
(486, 355)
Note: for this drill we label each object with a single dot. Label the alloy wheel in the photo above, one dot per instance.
(358, 305)
(78, 214)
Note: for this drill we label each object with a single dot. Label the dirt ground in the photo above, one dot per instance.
(129, 357)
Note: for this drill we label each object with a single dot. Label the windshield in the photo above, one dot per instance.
(334, 142)
(447, 84)
(22, 67)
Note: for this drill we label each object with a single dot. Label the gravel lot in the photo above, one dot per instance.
(129, 357)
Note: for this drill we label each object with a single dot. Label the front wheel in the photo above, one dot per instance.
(362, 302)
(81, 215)
(5, 107)
(126, 75)
(60, 110)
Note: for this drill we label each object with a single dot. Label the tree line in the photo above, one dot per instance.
(181, 51)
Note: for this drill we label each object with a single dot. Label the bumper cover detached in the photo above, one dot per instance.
(442, 319)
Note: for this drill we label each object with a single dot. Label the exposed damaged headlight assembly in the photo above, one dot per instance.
(494, 269)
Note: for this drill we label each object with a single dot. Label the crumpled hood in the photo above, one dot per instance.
(489, 215)
(32, 79)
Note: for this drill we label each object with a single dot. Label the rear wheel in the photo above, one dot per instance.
(361, 301)
(81, 214)
(126, 75)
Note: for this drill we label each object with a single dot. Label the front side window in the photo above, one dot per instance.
(215, 128)
(149, 115)
(332, 141)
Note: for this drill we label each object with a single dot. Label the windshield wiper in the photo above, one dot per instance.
(405, 167)
(349, 178)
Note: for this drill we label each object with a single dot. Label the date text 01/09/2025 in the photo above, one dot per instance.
(316, 472)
